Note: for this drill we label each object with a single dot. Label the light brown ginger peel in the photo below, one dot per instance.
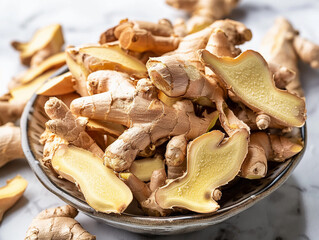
(57, 224)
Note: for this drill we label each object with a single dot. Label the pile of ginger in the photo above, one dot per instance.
(163, 114)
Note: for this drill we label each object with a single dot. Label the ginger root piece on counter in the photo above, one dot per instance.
(57, 224)
(212, 161)
(44, 43)
(10, 143)
(11, 193)
(101, 188)
(259, 93)
(10, 111)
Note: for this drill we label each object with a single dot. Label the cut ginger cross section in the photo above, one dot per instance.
(211, 163)
(249, 78)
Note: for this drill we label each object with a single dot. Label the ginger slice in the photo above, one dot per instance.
(144, 168)
(102, 189)
(48, 39)
(108, 57)
(109, 128)
(24, 92)
(249, 78)
(55, 61)
(62, 84)
(57, 224)
(211, 163)
(11, 193)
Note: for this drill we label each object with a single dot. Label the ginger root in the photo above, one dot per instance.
(211, 163)
(11, 193)
(203, 12)
(57, 224)
(44, 43)
(249, 78)
(265, 147)
(102, 189)
(10, 112)
(10, 143)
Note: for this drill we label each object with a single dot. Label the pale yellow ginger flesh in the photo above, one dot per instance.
(48, 39)
(109, 128)
(249, 78)
(102, 189)
(55, 61)
(57, 224)
(62, 84)
(11, 193)
(144, 168)
(107, 57)
(212, 161)
(24, 92)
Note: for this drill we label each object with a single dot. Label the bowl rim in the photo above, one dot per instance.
(149, 222)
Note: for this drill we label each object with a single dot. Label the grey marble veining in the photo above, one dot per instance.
(292, 212)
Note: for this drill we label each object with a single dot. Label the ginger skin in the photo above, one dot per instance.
(57, 224)
(10, 112)
(65, 125)
(10, 144)
(265, 147)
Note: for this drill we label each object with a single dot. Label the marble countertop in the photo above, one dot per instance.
(292, 212)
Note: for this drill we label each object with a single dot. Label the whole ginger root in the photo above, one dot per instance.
(57, 224)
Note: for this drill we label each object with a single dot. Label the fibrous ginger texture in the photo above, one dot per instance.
(212, 161)
(102, 189)
(57, 224)
(249, 78)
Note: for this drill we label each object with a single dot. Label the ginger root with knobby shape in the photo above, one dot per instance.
(57, 224)
(249, 78)
(265, 147)
(203, 12)
(212, 161)
(101, 188)
(44, 43)
(10, 112)
(139, 36)
(148, 119)
(10, 143)
(67, 126)
(11, 193)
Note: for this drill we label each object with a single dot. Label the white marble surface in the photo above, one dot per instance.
(291, 213)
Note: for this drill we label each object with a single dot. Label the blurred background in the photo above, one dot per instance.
(292, 212)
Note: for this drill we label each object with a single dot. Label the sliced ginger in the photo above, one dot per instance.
(108, 57)
(49, 39)
(144, 168)
(11, 193)
(54, 61)
(249, 78)
(211, 163)
(102, 189)
(59, 85)
(24, 92)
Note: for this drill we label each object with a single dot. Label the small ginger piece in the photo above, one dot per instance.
(10, 111)
(44, 43)
(265, 147)
(102, 189)
(57, 224)
(11, 193)
(203, 12)
(307, 51)
(143, 168)
(107, 57)
(53, 62)
(24, 92)
(10, 143)
(249, 78)
(62, 84)
(212, 161)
